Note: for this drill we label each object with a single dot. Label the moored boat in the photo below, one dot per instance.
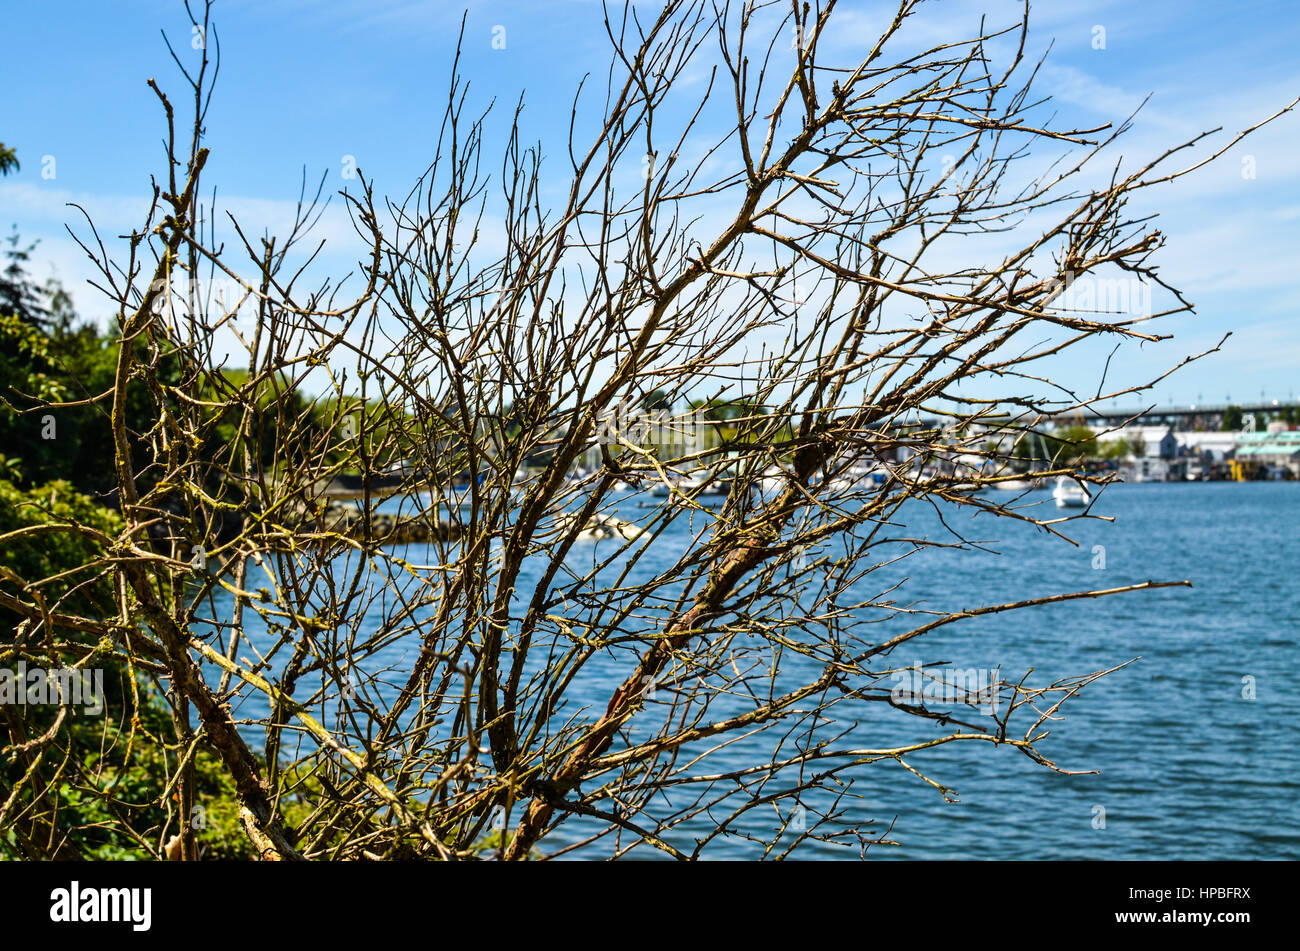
(1016, 485)
(1070, 493)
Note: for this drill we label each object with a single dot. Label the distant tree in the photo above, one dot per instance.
(1116, 449)
(1232, 418)
(19, 295)
(656, 400)
(1074, 443)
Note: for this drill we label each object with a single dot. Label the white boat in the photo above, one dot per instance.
(707, 485)
(689, 485)
(600, 526)
(1016, 485)
(1070, 494)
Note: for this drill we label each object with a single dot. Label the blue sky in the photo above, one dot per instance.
(307, 83)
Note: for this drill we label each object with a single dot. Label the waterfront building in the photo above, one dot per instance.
(1278, 450)
(1145, 442)
(1215, 446)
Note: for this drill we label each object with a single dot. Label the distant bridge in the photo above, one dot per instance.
(1206, 416)
(1195, 416)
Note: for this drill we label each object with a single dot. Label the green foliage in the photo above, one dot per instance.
(1068, 445)
(1118, 449)
(27, 366)
(18, 295)
(129, 771)
(274, 433)
(121, 759)
(57, 360)
(34, 557)
(1074, 443)
(1031, 451)
(113, 802)
(1232, 418)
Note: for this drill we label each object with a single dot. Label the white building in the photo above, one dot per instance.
(1145, 469)
(1155, 442)
(1214, 446)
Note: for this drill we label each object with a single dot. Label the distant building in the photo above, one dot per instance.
(1215, 446)
(1280, 449)
(1145, 469)
(1155, 442)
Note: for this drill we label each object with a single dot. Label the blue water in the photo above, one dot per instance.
(1187, 767)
